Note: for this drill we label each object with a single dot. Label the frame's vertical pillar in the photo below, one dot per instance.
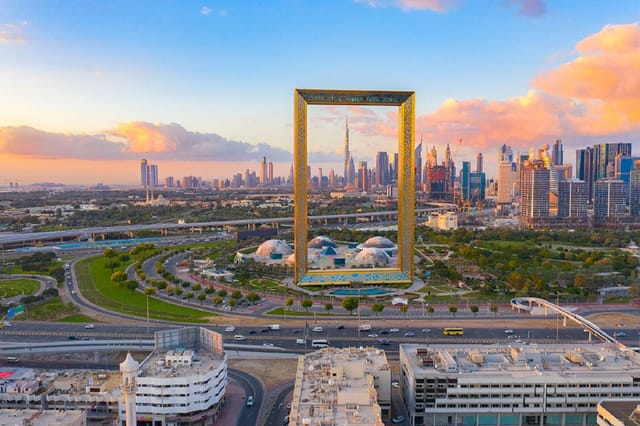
(406, 185)
(300, 185)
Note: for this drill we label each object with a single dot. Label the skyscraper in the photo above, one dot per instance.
(534, 192)
(153, 175)
(479, 162)
(572, 198)
(584, 169)
(556, 153)
(465, 175)
(609, 198)
(262, 171)
(144, 172)
(418, 165)
(364, 182)
(506, 174)
(634, 190)
(348, 178)
(382, 168)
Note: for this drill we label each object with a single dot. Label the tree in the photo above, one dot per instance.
(131, 285)
(306, 304)
(222, 293)
(149, 291)
(350, 304)
(202, 297)
(288, 303)
(494, 309)
(474, 309)
(109, 253)
(253, 297)
(430, 310)
(328, 307)
(178, 291)
(377, 308)
(111, 263)
(209, 290)
(453, 309)
(404, 308)
(119, 277)
(217, 300)
(236, 294)
(232, 303)
(189, 295)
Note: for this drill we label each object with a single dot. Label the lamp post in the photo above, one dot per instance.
(147, 313)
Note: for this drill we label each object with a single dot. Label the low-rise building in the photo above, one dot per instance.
(554, 384)
(342, 386)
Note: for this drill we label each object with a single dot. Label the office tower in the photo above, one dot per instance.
(436, 182)
(168, 182)
(623, 164)
(262, 171)
(572, 198)
(394, 173)
(332, 179)
(534, 192)
(465, 180)
(144, 173)
(506, 174)
(351, 170)
(479, 162)
(382, 168)
(564, 171)
(505, 154)
(609, 198)
(418, 165)
(153, 175)
(270, 173)
(546, 384)
(477, 185)
(364, 182)
(290, 179)
(604, 156)
(557, 153)
(584, 169)
(634, 190)
(320, 178)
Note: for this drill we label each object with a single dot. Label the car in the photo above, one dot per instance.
(508, 331)
(268, 345)
(384, 331)
(73, 292)
(620, 324)
(253, 332)
(296, 331)
(397, 420)
(230, 329)
(373, 335)
(621, 334)
(249, 401)
(395, 384)
(89, 326)
(394, 330)
(426, 330)
(384, 342)
(317, 329)
(340, 327)
(285, 421)
(512, 336)
(71, 337)
(265, 330)
(409, 334)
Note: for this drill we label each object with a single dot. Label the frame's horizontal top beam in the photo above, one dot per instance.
(353, 97)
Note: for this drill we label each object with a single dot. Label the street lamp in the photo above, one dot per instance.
(147, 313)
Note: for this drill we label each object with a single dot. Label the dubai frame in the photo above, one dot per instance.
(405, 101)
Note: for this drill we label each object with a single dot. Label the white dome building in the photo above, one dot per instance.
(268, 248)
(372, 256)
(378, 242)
(321, 242)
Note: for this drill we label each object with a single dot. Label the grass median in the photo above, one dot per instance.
(94, 282)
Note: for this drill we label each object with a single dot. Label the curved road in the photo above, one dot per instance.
(251, 386)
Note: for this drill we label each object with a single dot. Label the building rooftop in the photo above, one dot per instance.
(179, 362)
(42, 417)
(519, 362)
(627, 412)
(336, 387)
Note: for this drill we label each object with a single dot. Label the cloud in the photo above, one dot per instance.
(132, 140)
(529, 8)
(12, 33)
(204, 10)
(432, 5)
(597, 94)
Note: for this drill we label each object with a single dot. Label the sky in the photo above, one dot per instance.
(205, 88)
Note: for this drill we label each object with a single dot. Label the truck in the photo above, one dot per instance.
(274, 327)
(364, 327)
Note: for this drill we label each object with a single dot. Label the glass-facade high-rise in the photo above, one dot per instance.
(634, 191)
(609, 198)
(534, 191)
(465, 175)
(572, 198)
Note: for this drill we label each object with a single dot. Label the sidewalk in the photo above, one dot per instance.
(233, 404)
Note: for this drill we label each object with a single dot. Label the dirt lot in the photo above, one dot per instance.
(271, 372)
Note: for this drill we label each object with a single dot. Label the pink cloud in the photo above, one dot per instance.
(12, 33)
(529, 8)
(432, 5)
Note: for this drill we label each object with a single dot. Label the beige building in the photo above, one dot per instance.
(559, 384)
(350, 386)
(34, 417)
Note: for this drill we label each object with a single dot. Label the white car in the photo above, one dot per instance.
(317, 329)
(230, 329)
(394, 330)
(508, 331)
(249, 401)
(374, 335)
(89, 326)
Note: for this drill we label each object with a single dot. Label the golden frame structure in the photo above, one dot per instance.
(405, 101)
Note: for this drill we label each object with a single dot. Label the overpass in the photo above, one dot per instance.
(28, 237)
(534, 304)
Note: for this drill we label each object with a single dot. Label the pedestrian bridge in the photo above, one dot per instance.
(534, 305)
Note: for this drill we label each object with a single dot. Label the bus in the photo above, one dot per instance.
(319, 343)
(453, 331)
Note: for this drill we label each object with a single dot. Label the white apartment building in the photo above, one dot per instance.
(183, 381)
(559, 384)
(342, 386)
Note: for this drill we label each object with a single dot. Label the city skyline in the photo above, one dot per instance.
(207, 87)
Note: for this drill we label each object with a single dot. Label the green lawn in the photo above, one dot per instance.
(24, 287)
(50, 310)
(95, 283)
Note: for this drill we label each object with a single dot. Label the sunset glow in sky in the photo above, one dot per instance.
(205, 88)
